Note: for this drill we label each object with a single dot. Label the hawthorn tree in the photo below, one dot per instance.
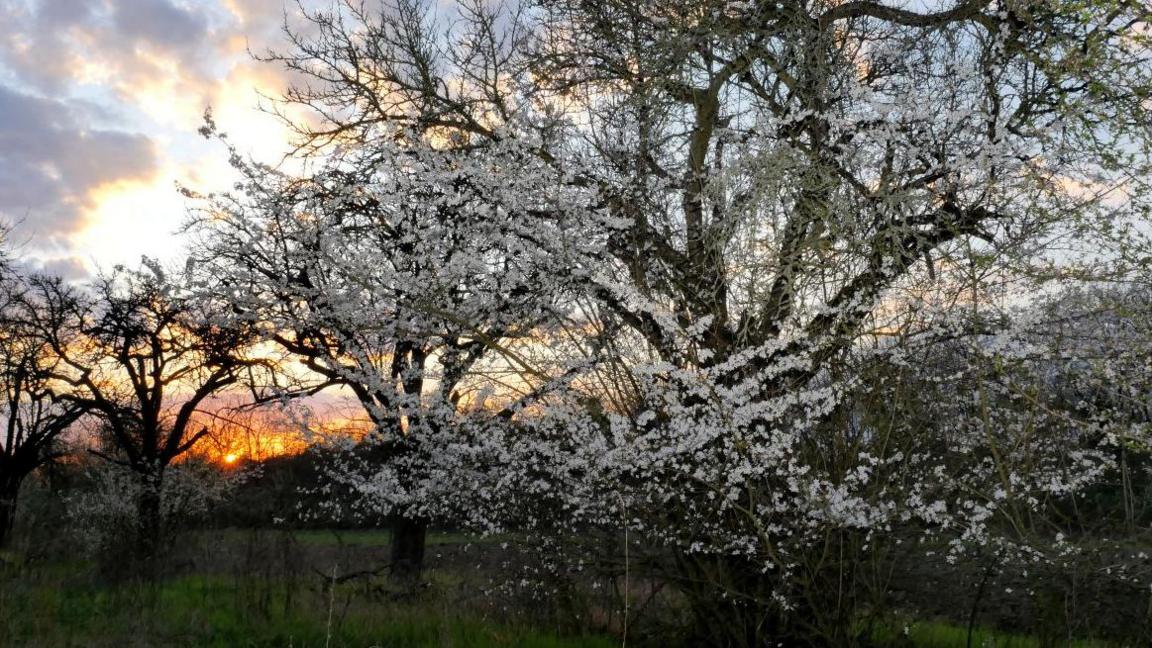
(762, 190)
(393, 271)
(1037, 432)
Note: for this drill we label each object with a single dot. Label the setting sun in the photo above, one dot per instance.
(231, 458)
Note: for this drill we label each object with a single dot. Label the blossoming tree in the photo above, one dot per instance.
(748, 196)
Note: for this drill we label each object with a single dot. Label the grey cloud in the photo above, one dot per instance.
(67, 268)
(159, 22)
(50, 162)
(55, 14)
(52, 36)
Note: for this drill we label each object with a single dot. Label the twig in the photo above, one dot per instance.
(331, 604)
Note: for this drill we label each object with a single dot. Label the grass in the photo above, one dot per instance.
(223, 611)
(254, 605)
(357, 537)
(937, 634)
(211, 612)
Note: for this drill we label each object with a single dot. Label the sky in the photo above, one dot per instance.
(100, 103)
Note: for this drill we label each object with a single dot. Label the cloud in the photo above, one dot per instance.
(99, 105)
(68, 268)
(159, 22)
(55, 42)
(128, 52)
(52, 162)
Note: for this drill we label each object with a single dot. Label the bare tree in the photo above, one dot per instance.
(143, 356)
(36, 408)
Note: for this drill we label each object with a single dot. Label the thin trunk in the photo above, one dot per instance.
(9, 491)
(976, 605)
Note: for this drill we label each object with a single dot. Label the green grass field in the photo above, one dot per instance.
(230, 595)
(221, 612)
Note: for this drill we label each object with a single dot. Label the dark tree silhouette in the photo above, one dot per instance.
(35, 407)
(145, 358)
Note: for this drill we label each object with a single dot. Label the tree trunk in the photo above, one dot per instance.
(9, 491)
(409, 533)
(148, 527)
(408, 539)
